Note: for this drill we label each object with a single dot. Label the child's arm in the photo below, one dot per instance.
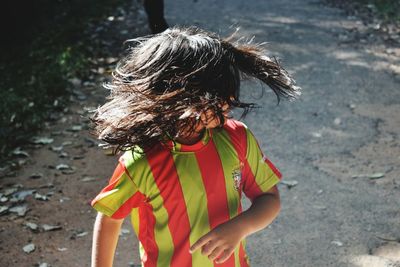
(222, 240)
(105, 238)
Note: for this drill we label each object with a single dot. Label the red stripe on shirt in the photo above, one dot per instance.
(164, 172)
(214, 183)
(147, 222)
(128, 205)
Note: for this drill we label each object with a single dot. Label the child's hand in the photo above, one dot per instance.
(220, 242)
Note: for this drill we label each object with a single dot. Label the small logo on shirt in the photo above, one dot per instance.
(237, 177)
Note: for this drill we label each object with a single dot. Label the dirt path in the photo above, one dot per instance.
(338, 147)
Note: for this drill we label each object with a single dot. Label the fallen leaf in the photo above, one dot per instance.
(67, 143)
(78, 157)
(56, 148)
(21, 195)
(10, 191)
(42, 140)
(40, 197)
(82, 234)
(124, 231)
(76, 128)
(76, 82)
(88, 179)
(3, 210)
(19, 152)
(71, 171)
(377, 175)
(29, 248)
(20, 210)
(63, 155)
(36, 175)
(62, 166)
(47, 227)
(33, 226)
(48, 185)
(337, 243)
(319, 207)
(289, 184)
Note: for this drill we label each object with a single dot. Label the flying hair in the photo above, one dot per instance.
(167, 80)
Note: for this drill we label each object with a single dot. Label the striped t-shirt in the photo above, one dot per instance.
(177, 193)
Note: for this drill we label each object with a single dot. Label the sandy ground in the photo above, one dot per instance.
(337, 147)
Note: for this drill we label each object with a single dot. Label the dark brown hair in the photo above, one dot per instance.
(167, 80)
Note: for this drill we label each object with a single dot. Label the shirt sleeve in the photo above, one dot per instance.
(120, 196)
(260, 175)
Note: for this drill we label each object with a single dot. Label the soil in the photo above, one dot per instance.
(337, 147)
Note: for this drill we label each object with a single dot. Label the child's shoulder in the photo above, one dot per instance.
(234, 125)
(236, 128)
(237, 131)
(135, 156)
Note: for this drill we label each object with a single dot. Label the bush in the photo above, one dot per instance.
(43, 46)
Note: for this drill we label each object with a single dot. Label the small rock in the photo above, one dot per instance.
(29, 248)
(3, 199)
(337, 121)
(48, 228)
(62, 249)
(44, 264)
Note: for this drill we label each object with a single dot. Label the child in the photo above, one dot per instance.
(186, 163)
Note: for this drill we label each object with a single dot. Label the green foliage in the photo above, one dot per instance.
(38, 57)
(389, 10)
